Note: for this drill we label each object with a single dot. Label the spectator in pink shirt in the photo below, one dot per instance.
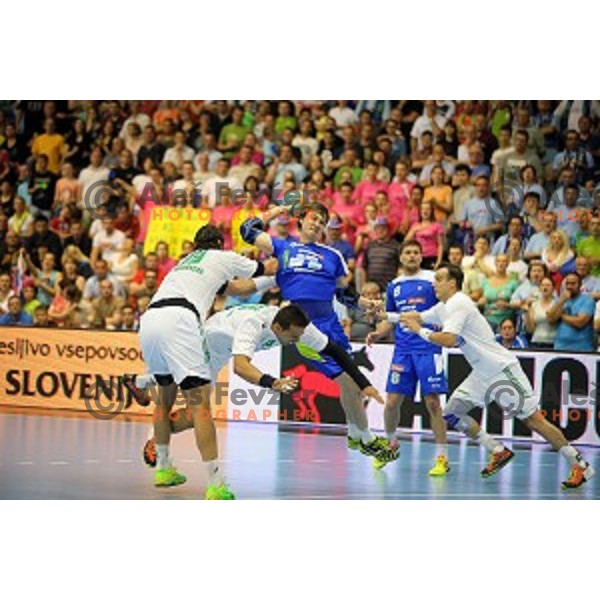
(349, 211)
(430, 234)
(367, 189)
(411, 213)
(401, 187)
(165, 262)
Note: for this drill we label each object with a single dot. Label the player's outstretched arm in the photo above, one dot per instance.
(243, 367)
(247, 287)
(253, 232)
(440, 338)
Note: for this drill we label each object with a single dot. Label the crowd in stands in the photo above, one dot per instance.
(507, 190)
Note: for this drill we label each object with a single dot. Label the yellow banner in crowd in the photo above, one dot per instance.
(174, 226)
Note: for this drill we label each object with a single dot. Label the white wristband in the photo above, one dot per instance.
(263, 283)
(392, 317)
(425, 333)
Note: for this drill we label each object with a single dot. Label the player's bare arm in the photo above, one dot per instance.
(243, 367)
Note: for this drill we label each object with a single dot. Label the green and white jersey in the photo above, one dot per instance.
(247, 329)
(199, 276)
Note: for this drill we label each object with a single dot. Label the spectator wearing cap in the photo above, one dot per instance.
(282, 225)
(16, 315)
(334, 240)
(507, 336)
(382, 256)
(574, 313)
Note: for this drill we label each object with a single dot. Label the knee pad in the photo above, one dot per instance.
(164, 380)
(193, 381)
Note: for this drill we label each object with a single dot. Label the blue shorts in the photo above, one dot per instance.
(329, 325)
(408, 369)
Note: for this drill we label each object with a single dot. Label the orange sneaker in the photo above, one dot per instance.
(149, 453)
(578, 476)
(497, 461)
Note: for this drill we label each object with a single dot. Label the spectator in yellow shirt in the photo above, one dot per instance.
(51, 144)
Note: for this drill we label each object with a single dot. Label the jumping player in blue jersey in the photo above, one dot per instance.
(309, 275)
(415, 359)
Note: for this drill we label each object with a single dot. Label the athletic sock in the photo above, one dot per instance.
(441, 450)
(366, 436)
(488, 442)
(214, 472)
(162, 456)
(353, 431)
(390, 435)
(572, 456)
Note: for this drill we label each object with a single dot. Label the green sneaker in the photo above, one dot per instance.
(353, 444)
(385, 452)
(219, 492)
(168, 477)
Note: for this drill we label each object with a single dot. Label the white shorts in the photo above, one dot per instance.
(172, 343)
(510, 389)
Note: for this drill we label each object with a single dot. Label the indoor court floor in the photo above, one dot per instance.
(60, 457)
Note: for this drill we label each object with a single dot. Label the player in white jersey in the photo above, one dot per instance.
(243, 330)
(493, 366)
(174, 348)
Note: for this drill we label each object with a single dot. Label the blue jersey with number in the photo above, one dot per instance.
(307, 271)
(409, 293)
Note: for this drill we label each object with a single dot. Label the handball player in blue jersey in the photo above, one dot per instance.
(415, 360)
(309, 275)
